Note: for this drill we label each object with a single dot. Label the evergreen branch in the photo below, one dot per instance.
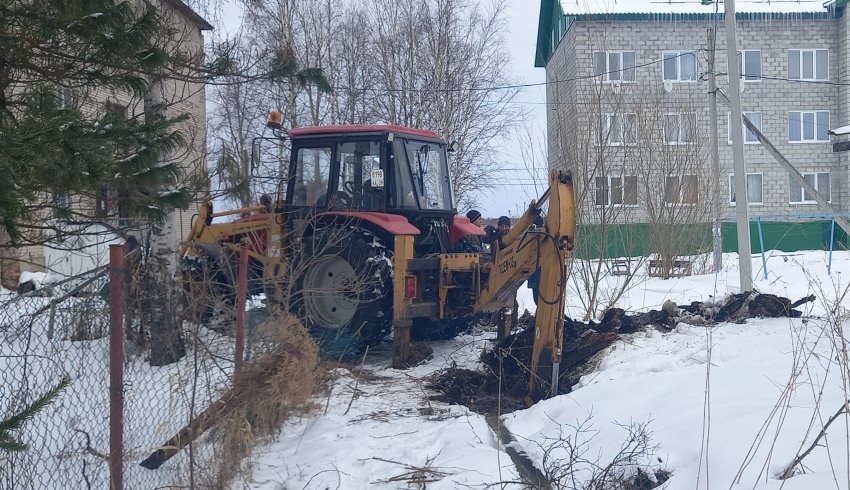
(16, 421)
(314, 76)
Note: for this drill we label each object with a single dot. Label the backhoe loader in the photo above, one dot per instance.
(360, 241)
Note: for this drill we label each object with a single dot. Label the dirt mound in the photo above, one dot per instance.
(507, 362)
(477, 390)
(756, 305)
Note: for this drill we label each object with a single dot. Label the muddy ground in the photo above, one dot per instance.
(502, 385)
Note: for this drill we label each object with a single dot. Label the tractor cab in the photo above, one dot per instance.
(381, 169)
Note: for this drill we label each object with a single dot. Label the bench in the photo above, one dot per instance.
(680, 268)
(620, 267)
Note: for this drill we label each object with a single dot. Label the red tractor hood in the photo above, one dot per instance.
(393, 223)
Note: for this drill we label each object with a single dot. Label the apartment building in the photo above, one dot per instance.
(183, 93)
(628, 106)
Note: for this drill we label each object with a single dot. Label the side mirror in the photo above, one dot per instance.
(453, 147)
(255, 154)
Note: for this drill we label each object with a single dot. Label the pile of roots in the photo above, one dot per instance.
(502, 385)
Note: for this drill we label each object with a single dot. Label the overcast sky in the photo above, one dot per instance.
(515, 191)
(512, 197)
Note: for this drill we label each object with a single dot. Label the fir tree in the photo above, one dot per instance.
(48, 147)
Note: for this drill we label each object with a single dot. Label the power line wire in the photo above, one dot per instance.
(518, 85)
(574, 79)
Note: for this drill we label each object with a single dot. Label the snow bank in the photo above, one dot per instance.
(36, 278)
(661, 379)
(764, 389)
(789, 274)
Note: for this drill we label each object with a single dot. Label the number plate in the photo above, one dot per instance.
(377, 177)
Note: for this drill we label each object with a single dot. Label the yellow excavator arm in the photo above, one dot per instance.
(525, 249)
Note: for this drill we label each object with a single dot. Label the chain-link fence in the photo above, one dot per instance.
(46, 335)
(186, 423)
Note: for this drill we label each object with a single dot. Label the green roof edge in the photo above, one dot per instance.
(550, 13)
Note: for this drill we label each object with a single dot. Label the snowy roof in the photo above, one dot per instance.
(578, 7)
(841, 130)
(552, 14)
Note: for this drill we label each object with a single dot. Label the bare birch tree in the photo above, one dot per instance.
(600, 147)
(435, 65)
(674, 161)
(639, 159)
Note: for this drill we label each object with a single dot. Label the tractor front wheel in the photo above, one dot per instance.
(330, 291)
(210, 298)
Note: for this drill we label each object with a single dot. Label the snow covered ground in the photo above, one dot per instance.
(725, 407)
(39, 345)
(366, 431)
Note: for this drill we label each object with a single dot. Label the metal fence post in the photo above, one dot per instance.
(116, 367)
(831, 242)
(52, 320)
(761, 246)
(241, 299)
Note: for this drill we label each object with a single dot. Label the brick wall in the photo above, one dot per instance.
(580, 101)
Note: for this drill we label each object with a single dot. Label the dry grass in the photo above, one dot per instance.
(416, 476)
(274, 385)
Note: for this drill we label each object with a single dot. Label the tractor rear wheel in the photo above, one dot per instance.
(344, 292)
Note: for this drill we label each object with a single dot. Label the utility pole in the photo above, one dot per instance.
(745, 265)
(715, 157)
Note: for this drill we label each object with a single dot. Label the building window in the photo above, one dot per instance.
(61, 205)
(614, 66)
(680, 66)
(808, 64)
(681, 189)
(749, 136)
(618, 129)
(103, 203)
(754, 189)
(64, 97)
(749, 65)
(680, 128)
(116, 109)
(819, 180)
(617, 191)
(808, 126)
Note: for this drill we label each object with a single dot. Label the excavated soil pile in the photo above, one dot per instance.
(507, 362)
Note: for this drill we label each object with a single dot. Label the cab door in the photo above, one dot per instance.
(310, 180)
(360, 182)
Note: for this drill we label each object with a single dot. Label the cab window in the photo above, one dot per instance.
(359, 164)
(312, 175)
(430, 174)
(403, 196)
